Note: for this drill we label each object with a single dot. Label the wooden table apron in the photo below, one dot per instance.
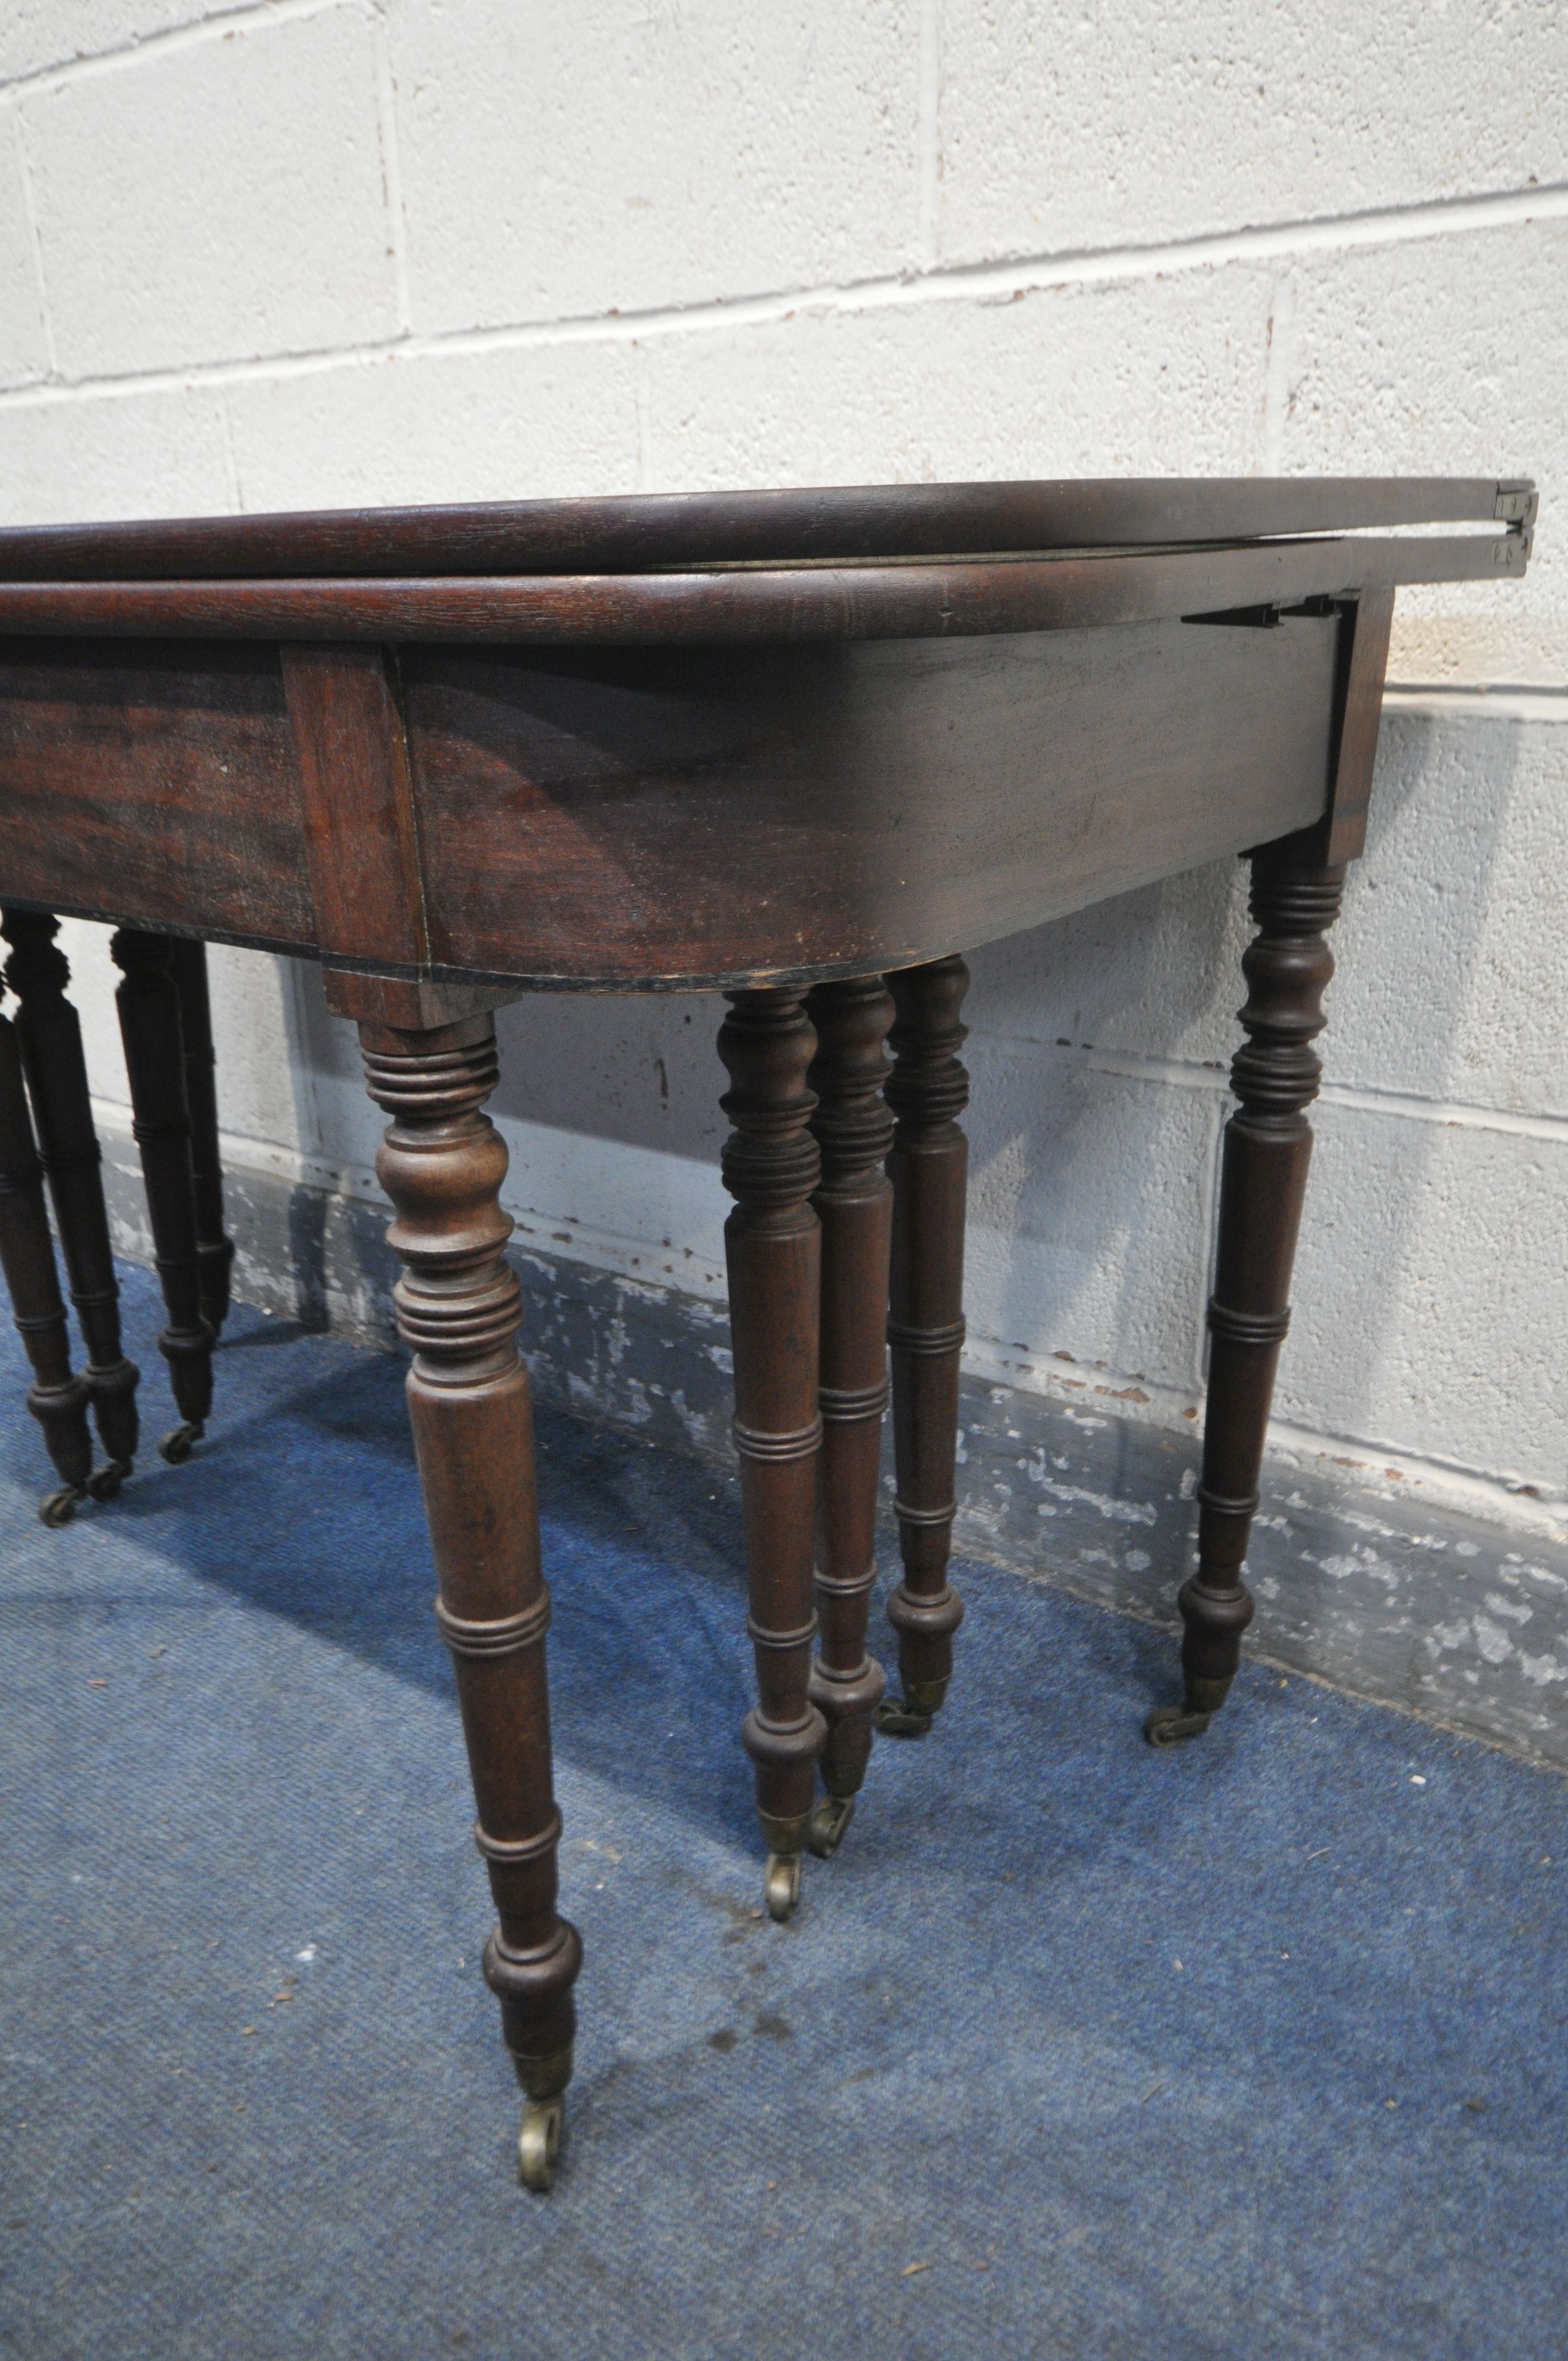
(374, 742)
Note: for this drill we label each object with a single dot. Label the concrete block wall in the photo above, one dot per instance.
(316, 251)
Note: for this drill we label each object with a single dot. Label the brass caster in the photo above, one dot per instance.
(781, 1889)
(105, 1482)
(539, 2143)
(1170, 1724)
(829, 1825)
(59, 1508)
(896, 1720)
(176, 1444)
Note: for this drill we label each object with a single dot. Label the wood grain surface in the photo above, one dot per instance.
(710, 816)
(153, 785)
(626, 816)
(573, 536)
(822, 754)
(781, 603)
(356, 800)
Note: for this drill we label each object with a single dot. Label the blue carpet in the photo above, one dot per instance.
(1255, 2048)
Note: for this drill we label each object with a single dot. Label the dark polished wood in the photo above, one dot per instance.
(1263, 1186)
(831, 602)
(57, 1397)
(811, 525)
(853, 1130)
(928, 1091)
(148, 999)
(619, 816)
(773, 1247)
(157, 784)
(760, 743)
(357, 802)
(613, 815)
(1365, 625)
(458, 1305)
(50, 1040)
(1298, 880)
(215, 1248)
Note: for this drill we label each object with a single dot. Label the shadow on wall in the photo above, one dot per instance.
(640, 1069)
(340, 1269)
(1401, 1222)
(1096, 1049)
(1101, 1048)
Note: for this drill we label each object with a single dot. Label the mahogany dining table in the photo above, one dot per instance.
(803, 749)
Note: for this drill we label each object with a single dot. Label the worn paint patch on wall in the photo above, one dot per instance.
(1447, 1616)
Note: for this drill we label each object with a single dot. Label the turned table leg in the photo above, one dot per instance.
(853, 1130)
(148, 1004)
(49, 1038)
(458, 1304)
(928, 1091)
(214, 1249)
(1267, 1144)
(772, 1250)
(57, 1397)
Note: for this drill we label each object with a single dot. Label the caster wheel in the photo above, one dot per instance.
(782, 1890)
(176, 1444)
(539, 2144)
(1169, 1725)
(105, 1482)
(895, 1720)
(59, 1508)
(829, 1825)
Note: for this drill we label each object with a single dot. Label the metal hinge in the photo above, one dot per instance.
(1517, 503)
(1246, 618)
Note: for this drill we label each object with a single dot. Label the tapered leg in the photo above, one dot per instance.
(49, 1038)
(57, 1397)
(773, 1248)
(928, 1089)
(148, 1003)
(1263, 1182)
(853, 1129)
(214, 1249)
(442, 1163)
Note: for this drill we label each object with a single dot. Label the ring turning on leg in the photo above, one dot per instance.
(1263, 1182)
(853, 1130)
(57, 1397)
(49, 1038)
(458, 1305)
(214, 1249)
(928, 1089)
(148, 1004)
(772, 1249)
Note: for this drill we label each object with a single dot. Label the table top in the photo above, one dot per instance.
(701, 741)
(837, 562)
(820, 525)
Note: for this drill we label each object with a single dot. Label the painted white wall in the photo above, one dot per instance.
(317, 252)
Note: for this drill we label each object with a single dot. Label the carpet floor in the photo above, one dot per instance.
(1255, 2048)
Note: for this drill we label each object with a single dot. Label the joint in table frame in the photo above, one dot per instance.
(1322, 604)
(1246, 618)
